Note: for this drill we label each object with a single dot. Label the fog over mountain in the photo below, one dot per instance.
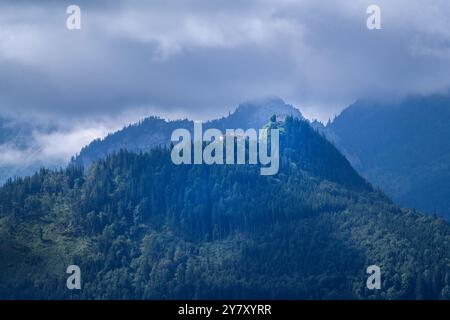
(28, 145)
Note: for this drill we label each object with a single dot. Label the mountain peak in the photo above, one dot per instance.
(259, 110)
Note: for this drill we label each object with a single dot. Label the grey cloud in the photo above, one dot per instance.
(200, 58)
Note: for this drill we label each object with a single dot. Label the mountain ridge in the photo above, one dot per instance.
(154, 131)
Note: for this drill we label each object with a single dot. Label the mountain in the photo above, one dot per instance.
(153, 131)
(140, 227)
(400, 146)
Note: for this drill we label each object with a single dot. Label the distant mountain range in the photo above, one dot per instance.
(401, 146)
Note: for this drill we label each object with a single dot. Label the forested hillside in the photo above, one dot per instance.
(140, 227)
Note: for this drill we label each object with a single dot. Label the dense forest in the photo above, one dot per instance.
(140, 227)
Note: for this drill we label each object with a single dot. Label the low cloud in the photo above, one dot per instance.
(54, 148)
(52, 141)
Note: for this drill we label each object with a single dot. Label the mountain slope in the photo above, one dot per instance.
(402, 147)
(140, 227)
(153, 131)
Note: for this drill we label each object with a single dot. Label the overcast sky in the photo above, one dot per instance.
(201, 58)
